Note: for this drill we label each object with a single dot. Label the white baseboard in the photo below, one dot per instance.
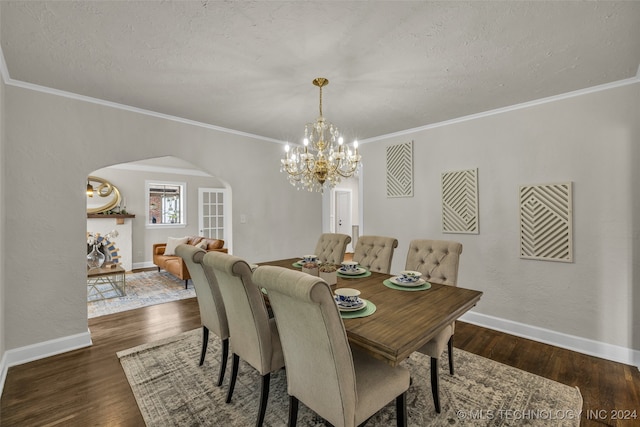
(611, 352)
(29, 353)
(141, 265)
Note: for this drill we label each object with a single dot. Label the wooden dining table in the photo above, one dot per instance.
(404, 320)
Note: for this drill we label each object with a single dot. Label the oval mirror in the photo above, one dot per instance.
(102, 196)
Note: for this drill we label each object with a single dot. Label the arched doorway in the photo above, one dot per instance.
(132, 180)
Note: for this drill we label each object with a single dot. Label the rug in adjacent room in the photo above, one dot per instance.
(171, 389)
(143, 289)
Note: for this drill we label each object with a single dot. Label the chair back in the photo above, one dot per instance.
(331, 247)
(251, 335)
(317, 355)
(375, 252)
(437, 260)
(212, 311)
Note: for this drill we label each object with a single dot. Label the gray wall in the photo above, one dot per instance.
(591, 140)
(53, 143)
(2, 222)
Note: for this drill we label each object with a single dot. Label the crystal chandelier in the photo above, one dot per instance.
(324, 158)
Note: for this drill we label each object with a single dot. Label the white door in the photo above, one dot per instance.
(343, 214)
(212, 213)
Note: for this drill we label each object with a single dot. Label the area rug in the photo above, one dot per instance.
(143, 289)
(172, 390)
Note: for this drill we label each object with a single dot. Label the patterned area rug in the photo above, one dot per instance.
(171, 389)
(142, 289)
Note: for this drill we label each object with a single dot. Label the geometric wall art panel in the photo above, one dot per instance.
(546, 227)
(400, 170)
(460, 202)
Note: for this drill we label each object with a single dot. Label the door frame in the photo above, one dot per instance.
(334, 212)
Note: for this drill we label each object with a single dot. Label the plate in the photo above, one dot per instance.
(359, 271)
(397, 281)
(355, 308)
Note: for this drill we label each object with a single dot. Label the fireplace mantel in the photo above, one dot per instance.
(124, 226)
(119, 217)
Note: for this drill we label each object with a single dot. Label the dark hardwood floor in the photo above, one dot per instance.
(87, 387)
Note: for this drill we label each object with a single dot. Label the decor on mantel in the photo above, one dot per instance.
(97, 257)
(324, 158)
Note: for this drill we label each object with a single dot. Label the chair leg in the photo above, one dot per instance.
(401, 410)
(293, 411)
(434, 383)
(450, 348)
(205, 342)
(264, 397)
(223, 362)
(186, 283)
(234, 375)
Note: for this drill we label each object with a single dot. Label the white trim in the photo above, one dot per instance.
(38, 88)
(3, 371)
(29, 353)
(600, 349)
(144, 264)
(3, 67)
(554, 98)
(11, 82)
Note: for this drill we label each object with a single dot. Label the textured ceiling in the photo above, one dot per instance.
(248, 66)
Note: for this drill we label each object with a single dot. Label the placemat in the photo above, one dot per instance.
(422, 287)
(351, 276)
(367, 311)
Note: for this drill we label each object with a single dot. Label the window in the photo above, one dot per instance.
(166, 203)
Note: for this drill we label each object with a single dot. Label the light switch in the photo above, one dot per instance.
(243, 219)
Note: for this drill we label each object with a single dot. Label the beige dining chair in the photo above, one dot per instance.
(331, 247)
(375, 252)
(344, 385)
(212, 312)
(254, 336)
(438, 262)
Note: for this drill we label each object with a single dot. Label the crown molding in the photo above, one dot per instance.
(528, 104)
(11, 82)
(44, 89)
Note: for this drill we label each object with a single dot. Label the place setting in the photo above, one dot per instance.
(351, 270)
(351, 305)
(408, 280)
(306, 259)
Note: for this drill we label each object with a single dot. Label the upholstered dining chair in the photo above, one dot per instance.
(331, 247)
(343, 385)
(438, 262)
(254, 336)
(212, 312)
(375, 252)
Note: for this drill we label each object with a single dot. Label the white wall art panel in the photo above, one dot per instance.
(460, 202)
(400, 170)
(546, 222)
